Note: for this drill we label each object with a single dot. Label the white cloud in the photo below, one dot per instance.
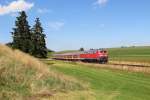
(56, 25)
(101, 2)
(15, 6)
(44, 10)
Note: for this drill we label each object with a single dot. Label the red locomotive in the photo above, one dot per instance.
(97, 55)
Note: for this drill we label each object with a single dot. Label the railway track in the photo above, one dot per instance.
(126, 67)
(130, 65)
(144, 68)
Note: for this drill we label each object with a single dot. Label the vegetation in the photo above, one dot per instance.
(108, 84)
(81, 49)
(38, 40)
(22, 35)
(24, 77)
(32, 42)
(133, 54)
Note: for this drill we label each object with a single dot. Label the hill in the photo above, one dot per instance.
(25, 77)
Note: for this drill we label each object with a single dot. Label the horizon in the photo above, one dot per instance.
(70, 25)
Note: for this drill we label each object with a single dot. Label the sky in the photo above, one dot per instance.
(72, 24)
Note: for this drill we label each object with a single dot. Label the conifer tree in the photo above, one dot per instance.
(38, 39)
(21, 34)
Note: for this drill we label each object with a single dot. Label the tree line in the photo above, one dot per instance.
(27, 39)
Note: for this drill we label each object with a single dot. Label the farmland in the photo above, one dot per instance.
(111, 84)
(108, 84)
(133, 54)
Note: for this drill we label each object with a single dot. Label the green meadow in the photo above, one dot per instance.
(107, 84)
(133, 54)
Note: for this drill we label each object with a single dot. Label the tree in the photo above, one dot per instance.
(32, 42)
(21, 34)
(81, 49)
(49, 50)
(38, 39)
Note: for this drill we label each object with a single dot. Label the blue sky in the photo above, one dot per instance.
(71, 24)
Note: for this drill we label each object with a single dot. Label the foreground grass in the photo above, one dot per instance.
(133, 54)
(24, 77)
(109, 84)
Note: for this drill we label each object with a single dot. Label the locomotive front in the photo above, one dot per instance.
(102, 56)
(94, 55)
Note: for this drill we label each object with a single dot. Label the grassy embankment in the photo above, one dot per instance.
(108, 84)
(24, 77)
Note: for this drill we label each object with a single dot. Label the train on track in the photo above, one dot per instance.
(94, 55)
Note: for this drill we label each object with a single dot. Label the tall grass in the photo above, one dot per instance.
(23, 76)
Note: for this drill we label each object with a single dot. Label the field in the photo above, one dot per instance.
(107, 84)
(133, 54)
(111, 84)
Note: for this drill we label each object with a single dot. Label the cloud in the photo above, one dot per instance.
(44, 10)
(101, 2)
(15, 6)
(56, 25)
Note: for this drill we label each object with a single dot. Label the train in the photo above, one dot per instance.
(94, 55)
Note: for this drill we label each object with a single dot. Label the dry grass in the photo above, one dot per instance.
(130, 63)
(78, 95)
(120, 67)
(23, 58)
(23, 76)
(71, 95)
